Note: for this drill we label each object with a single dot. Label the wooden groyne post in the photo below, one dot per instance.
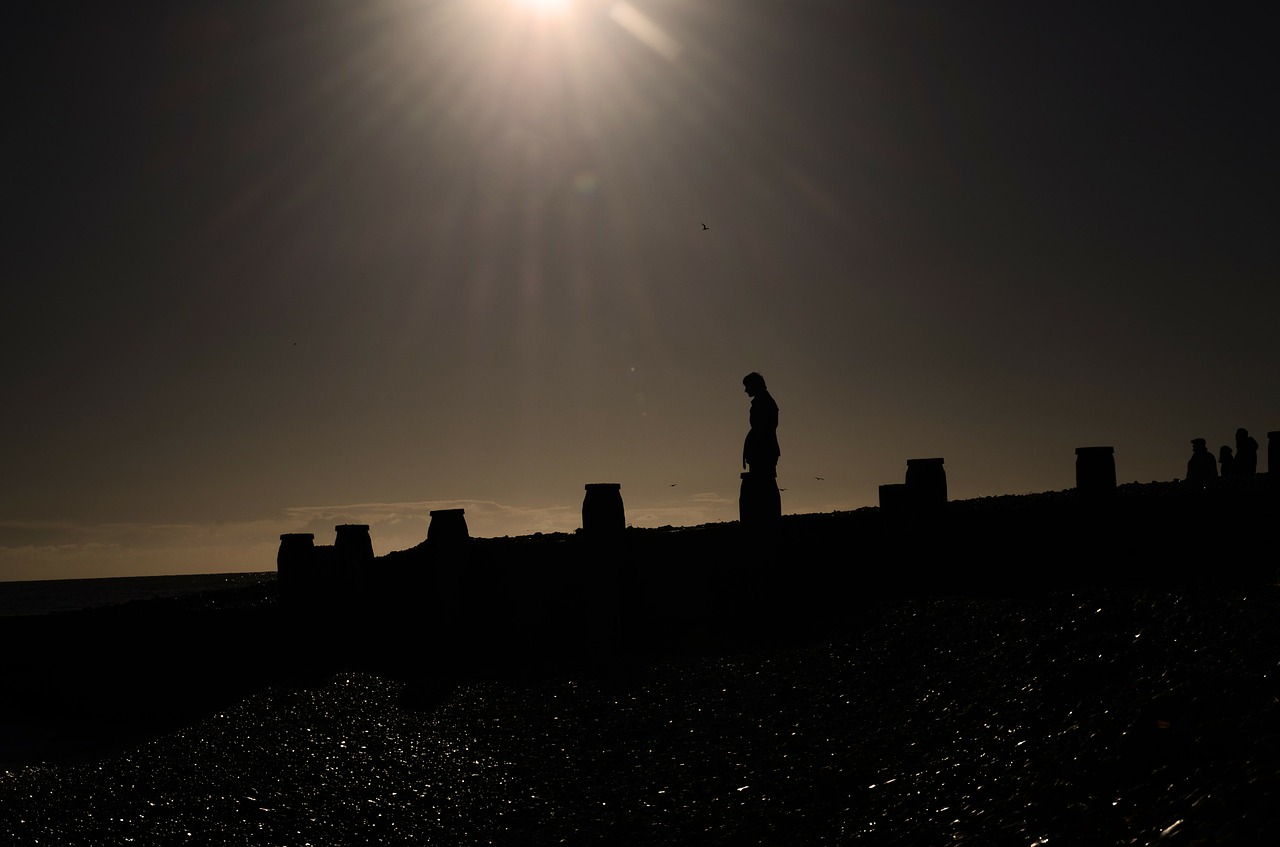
(1095, 470)
(602, 511)
(759, 501)
(295, 561)
(926, 484)
(448, 525)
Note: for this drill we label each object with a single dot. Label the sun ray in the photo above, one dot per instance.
(542, 7)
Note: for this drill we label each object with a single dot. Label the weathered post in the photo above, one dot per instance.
(926, 484)
(295, 562)
(1095, 470)
(759, 501)
(448, 525)
(893, 498)
(353, 555)
(602, 511)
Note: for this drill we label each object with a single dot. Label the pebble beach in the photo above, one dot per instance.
(1085, 713)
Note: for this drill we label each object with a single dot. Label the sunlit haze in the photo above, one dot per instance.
(547, 7)
(276, 267)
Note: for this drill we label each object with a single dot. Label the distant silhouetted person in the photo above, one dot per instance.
(1246, 463)
(760, 451)
(1201, 467)
(1226, 460)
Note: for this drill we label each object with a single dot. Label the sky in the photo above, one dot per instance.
(276, 266)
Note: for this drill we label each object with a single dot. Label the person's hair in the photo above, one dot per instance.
(753, 378)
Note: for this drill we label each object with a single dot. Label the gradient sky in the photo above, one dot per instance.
(274, 266)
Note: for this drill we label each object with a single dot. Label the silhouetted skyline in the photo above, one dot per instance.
(273, 268)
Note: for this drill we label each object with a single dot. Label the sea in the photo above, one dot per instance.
(46, 596)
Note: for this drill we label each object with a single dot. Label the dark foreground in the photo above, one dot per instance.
(898, 691)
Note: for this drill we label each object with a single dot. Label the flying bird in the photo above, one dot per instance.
(704, 226)
(818, 477)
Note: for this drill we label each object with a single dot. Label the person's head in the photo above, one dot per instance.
(1197, 445)
(1241, 434)
(753, 384)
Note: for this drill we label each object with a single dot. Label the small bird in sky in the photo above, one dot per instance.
(673, 485)
(704, 226)
(818, 477)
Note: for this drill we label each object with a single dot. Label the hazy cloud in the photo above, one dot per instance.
(69, 550)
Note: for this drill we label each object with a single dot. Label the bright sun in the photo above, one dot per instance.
(546, 7)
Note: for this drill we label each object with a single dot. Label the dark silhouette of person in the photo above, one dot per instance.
(1226, 460)
(760, 451)
(1246, 462)
(1201, 467)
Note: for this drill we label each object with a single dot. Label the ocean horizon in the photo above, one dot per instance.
(49, 596)
(1120, 689)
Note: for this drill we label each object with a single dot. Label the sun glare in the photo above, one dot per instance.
(543, 7)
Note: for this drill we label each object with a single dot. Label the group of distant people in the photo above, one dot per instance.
(1242, 461)
(760, 451)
